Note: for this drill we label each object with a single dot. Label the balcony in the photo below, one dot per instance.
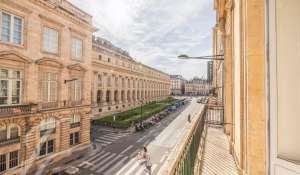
(206, 149)
(47, 132)
(60, 104)
(75, 125)
(17, 109)
(9, 141)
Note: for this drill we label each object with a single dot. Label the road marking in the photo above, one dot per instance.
(116, 166)
(127, 165)
(153, 168)
(98, 158)
(90, 158)
(135, 165)
(140, 171)
(102, 161)
(163, 158)
(108, 164)
(128, 148)
(102, 141)
(141, 139)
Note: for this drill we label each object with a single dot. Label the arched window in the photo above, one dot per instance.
(47, 124)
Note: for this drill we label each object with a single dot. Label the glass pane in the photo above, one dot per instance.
(3, 134)
(43, 149)
(3, 73)
(16, 89)
(50, 40)
(3, 91)
(71, 139)
(14, 132)
(16, 74)
(17, 37)
(50, 146)
(76, 137)
(53, 91)
(45, 91)
(6, 20)
(13, 159)
(2, 162)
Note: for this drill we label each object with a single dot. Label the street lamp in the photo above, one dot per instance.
(210, 57)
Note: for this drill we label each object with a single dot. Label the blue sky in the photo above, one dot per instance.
(156, 31)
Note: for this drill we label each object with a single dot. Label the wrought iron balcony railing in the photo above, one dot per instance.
(60, 104)
(17, 109)
(9, 141)
(47, 131)
(75, 125)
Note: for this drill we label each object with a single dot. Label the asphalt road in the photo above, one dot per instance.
(115, 150)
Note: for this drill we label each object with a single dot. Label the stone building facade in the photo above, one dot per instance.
(45, 75)
(120, 82)
(197, 86)
(177, 84)
(260, 43)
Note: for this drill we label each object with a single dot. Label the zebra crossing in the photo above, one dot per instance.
(109, 136)
(108, 163)
(136, 167)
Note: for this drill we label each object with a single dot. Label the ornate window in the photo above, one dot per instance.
(10, 86)
(9, 132)
(11, 28)
(46, 147)
(9, 160)
(47, 124)
(50, 40)
(49, 87)
(76, 90)
(77, 48)
(74, 138)
(75, 118)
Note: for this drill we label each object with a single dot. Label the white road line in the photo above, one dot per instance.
(125, 150)
(116, 166)
(141, 171)
(106, 139)
(102, 141)
(98, 158)
(127, 165)
(142, 138)
(98, 164)
(90, 158)
(135, 165)
(108, 164)
(153, 168)
(163, 158)
(115, 135)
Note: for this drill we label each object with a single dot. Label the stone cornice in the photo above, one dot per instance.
(77, 32)
(50, 20)
(14, 56)
(50, 62)
(77, 67)
(16, 6)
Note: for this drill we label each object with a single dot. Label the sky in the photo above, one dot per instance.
(155, 32)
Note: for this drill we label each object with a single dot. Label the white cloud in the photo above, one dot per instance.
(156, 31)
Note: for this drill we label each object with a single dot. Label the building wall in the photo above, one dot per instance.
(32, 61)
(142, 84)
(241, 24)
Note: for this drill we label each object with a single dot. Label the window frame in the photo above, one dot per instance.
(74, 118)
(46, 143)
(43, 40)
(7, 162)
(10, 79)
(73, 140)
(49, 82)
(12, 27)
(74, 56)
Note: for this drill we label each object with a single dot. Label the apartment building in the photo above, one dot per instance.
(260, 43)
(197, 86)
(45, 82)
(177, 84)
(121, 83)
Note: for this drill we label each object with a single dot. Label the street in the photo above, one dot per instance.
(116, 150)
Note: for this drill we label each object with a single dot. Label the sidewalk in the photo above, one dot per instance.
(217, 160)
